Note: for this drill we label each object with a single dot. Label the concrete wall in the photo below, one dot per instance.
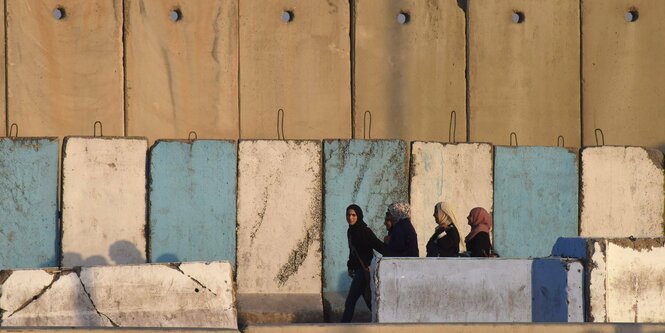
(410, 76)
(622, 65)
(170, 295)
(460, 174)
(183, 75)
(65, 74)
(279, 217)
(535, 199)
(623, 192)
(29, 203)
(625, 277)
(478, 290)
(302, 67)
(193, 201)
(103, 194)
(525, 77)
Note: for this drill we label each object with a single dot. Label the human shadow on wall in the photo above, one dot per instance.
(120, 253)
(167, 257)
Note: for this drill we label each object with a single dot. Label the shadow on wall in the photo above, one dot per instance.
(120, 253)
(168, 257)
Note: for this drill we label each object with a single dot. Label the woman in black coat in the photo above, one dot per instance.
(445, 240)
(362, 244)
(478, 240)
(402, 240)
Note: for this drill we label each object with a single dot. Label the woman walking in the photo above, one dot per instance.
(445, 240)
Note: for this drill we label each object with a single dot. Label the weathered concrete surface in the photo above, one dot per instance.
(525, 77)
(169, 295)
(460, 174)
(623, 192)
(303, 67)
(28, 203)
(65, 74)
(410, 76)
(182, 76)
(535, 199)
(279, 308)
(193, 201)
(103, 195)
(626, 277)
(279, 217)
(371, 174)
(478, 290)
(623, 62)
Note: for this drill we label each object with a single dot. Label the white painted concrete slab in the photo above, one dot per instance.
(160, 295)
(279, 217)
(457, 173)
(104, 201)
(623, 192)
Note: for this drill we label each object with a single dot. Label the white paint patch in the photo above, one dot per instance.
(104, 201)
(460, 174)
(597, 288)
(623, 192)
(279, 217)
(575, 290)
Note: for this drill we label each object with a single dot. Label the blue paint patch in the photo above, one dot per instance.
(193, 201)
(371, 174)
(535, 199)
(549, 295)
(570, 248)
(29, 203)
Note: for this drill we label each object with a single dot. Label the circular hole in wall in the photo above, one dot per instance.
(631, 15)
(175, 15)
(287, 16)
(59, 13)
(403, 17)
(517, 17)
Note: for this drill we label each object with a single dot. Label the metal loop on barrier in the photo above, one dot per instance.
(280, 124)
(189, 137)
(452, 127)
(511, 139)
(561, 140)
(367, 132)
(602, 136)
(94, 130)
(14, 125)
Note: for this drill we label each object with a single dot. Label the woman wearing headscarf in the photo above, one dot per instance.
(402, 240)
(478, 240)
(362, 244)
(445, 240)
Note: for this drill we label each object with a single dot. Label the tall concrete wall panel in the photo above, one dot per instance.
(103, 201)
(301, 66)
(535, 199)
(279, 217)
(28, 203)
(460, 174)
(410, 76)
(65, 74)
(182, 74)
(524, 77)
(3, 75)
(621, 70)
(169, 295)
(193, 201)
(478, 290)
(623, 192)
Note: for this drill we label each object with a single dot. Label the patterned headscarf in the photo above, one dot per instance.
(399, 210)
(480, 221)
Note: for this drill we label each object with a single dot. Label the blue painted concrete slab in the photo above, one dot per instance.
(371, 174)
(535, 199)
(549, 291)
(193, 201)
(571, 248)
(28, 203)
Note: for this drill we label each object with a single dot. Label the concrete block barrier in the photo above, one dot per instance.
(193, 294)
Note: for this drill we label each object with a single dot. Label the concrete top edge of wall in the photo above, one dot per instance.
(106, 138)
(570, 149)
(78, 268)
(29, 138)
(470, 259)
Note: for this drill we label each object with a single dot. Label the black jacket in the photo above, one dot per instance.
(362, 239)
(479, 245)
(446, 245)
(403, 240)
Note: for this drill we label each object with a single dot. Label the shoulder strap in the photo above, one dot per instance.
(353, 249)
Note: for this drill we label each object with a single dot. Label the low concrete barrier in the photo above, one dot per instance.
(625, 277)
(157, 295)
(477, 290)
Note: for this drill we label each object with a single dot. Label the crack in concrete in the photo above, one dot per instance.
(56, 276)
(297, 257)
(176, 266)
(78, 274)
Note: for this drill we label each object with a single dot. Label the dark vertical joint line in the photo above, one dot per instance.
(352, 37)
(467, 71)
(6, 75)
(124, 69)
(238, 69)
(581, 77)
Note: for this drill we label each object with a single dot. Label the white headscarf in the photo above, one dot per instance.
(447, 209)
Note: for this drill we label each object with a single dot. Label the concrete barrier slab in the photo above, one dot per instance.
(535, 199)
(103, 201)
(460, 174)
(166, 295)
(28, 203)
(279, 308)
(623, 192)
(371, 174)
(477, 290)
(193, 201)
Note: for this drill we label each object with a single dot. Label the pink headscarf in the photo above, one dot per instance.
(480, 221)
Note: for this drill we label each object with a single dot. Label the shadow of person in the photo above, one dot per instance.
(167, 257)
(124, 252)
